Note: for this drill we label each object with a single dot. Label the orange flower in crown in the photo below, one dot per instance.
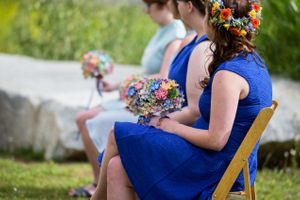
(255, 23)
(225, 13)
(235, 31)
(222, 16)
(256, 7)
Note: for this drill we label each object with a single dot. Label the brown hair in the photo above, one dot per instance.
(177, 14)
(159, 2)
(227, 45)
(199, 4)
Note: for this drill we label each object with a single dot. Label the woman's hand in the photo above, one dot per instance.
(153, 121)
(165, 124)
(108, 87)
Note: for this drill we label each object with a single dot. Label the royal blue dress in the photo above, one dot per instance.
(178, 70)
(179, 66)
(162, 165)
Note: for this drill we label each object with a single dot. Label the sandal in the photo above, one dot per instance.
(82, 191)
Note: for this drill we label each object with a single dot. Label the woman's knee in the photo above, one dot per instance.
(115, 170)
(111, 137)
(81, 118)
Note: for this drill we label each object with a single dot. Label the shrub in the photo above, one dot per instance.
(279, 39)
(67, 29)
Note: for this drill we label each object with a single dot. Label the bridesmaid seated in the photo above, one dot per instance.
(169, 160)
(155, 61)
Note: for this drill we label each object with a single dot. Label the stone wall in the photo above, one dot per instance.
(39, 101)
(41, 125)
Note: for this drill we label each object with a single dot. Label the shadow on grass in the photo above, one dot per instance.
(28, 155)
(28, 192)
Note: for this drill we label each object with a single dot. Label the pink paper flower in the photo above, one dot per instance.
(161, 94)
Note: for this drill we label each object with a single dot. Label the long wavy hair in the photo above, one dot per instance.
(225, 45)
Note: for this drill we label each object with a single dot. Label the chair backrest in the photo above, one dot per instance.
(240, 159)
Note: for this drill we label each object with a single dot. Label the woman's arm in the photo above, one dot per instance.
(109, 87)
(187, 40)
(197, 70)
(227, 89)
(172, 48)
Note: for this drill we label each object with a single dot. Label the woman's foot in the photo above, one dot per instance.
(85, 191)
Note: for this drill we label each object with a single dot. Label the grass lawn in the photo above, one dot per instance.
(50, 180)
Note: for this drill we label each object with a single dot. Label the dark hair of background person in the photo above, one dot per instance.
(161, 3)
(199, 4)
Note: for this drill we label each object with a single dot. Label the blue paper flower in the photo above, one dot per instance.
(131, 91)
(154, 86)
(167, 104)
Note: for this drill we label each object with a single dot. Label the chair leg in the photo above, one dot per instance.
(247, 180)
(253, 192)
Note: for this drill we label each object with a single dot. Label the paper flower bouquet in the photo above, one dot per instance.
(153, 97)
(128, 82)
(96, 64)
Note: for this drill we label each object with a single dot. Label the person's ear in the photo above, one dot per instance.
(190, 6)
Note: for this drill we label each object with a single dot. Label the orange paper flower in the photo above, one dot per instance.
(255, 23)
(256, 7)
(235, 31)
(225, 13)
(213, 11)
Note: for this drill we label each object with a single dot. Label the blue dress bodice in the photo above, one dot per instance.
(179, 66)
(252, 69)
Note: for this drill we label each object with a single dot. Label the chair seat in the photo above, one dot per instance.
(236, 196)
(240, 160)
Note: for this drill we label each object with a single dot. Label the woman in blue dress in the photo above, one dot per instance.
(169, 160)
(188, 67)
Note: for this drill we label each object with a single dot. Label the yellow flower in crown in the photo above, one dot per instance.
(216, 5)
(252, 14)
(243, 33)
(226, 26)
(165, 86)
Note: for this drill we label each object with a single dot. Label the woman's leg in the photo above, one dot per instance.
(118, 183)
(90, 151)
(110, 152)
(89, 146)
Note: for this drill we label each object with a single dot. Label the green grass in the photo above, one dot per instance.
(50, 180)
(278, 185)
(40, 180)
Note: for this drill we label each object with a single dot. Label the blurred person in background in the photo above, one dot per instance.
(155, 62)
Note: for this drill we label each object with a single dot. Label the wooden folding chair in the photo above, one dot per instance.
(240, 160)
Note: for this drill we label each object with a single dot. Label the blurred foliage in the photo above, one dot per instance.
(279, 40)
(66, 29)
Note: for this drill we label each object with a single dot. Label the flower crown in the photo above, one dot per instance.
(222, 16)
